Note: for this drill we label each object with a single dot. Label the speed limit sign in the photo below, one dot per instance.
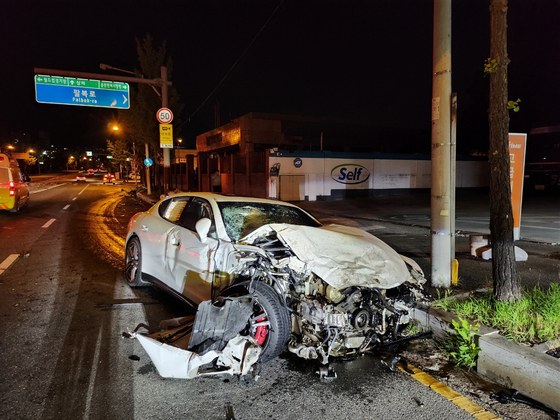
(164, 115)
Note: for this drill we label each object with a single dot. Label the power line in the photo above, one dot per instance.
(236, 61)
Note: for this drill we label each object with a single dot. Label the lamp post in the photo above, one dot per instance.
(163, 83)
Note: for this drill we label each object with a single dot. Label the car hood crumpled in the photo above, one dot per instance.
(342, 256)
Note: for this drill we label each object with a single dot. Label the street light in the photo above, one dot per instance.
(163, 83)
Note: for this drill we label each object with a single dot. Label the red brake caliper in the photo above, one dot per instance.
(262, 331)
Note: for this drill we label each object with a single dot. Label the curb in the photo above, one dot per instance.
(514, 366)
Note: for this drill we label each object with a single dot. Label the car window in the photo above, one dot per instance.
(196, 210)
(173, 208)
(241, 218)
(4, 175)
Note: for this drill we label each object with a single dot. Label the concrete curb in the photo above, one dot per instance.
(527, 369)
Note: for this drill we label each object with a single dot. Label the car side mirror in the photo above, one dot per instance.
(202, 228)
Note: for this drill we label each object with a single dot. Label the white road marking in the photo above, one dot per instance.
(92, 377)
(7, 262)
(50, 222)
(522, 225)
(66, 207)
(45, 189)
(83, 189)
(75, 198)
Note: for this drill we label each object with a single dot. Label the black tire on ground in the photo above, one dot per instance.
(133, 263)
(268, 304)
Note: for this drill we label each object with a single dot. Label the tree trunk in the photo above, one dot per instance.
(504, 270)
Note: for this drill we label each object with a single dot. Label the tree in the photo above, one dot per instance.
(504, 269)
(120, 151)
(140, 120)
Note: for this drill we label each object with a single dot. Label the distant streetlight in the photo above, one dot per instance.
(115, 128)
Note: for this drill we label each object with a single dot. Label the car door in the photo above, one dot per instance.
(153, 229)
(190, 261)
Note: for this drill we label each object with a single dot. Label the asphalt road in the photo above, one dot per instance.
(64, 306)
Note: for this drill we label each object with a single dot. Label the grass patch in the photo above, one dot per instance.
(533, 319)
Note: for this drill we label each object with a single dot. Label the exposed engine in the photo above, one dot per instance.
(327, 321)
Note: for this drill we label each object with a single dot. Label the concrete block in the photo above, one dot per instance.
(531, 372)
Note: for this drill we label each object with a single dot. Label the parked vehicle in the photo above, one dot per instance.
(14, 193)
(317, 291)
(81, 178)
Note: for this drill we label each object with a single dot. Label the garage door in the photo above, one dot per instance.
(292, 187)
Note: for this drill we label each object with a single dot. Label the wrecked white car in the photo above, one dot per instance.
(317, 291)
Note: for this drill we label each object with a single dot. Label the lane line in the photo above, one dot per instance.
(66, 207)
(92, 377)
(45, 189)
(46, 225)
(83, 189)
(7, 262)
(75, 198)
(459, 400)
(522, 225)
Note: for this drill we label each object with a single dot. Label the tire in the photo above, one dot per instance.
(274, 338)
(133, 263)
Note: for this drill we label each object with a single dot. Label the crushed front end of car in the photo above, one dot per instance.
(347, 291)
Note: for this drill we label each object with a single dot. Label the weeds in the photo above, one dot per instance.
(535, 318)
(460, 346)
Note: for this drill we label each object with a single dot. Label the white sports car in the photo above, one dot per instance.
(317, 291)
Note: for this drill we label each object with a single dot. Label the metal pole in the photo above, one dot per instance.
(166, 153)
(148, 181)
(441, 150)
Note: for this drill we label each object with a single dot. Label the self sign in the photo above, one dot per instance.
(350, 173)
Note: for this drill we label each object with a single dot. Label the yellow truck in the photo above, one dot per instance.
(14, 193)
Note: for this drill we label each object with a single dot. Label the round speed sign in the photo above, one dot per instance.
(164, 115)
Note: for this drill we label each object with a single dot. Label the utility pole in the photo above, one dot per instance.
(441, 209)
(166, 153)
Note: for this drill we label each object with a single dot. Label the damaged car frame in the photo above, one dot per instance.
(317, 291)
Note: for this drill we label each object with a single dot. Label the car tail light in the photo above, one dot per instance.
(12, 189)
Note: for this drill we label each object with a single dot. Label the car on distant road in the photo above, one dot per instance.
(81, 178)
(108, 178)
(91, 172)
(318, 291)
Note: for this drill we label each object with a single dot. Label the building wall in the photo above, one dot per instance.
(325, 175)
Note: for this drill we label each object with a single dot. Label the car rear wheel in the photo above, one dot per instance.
(270, 323)
(133, 263)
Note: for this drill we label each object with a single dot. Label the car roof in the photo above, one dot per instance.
(220, 198)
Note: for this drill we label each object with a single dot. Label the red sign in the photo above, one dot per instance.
(517, 144)
(164, 115)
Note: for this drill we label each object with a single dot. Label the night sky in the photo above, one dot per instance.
(366, 62)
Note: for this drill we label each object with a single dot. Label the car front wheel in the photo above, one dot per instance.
(133, 263)
(270, 322)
